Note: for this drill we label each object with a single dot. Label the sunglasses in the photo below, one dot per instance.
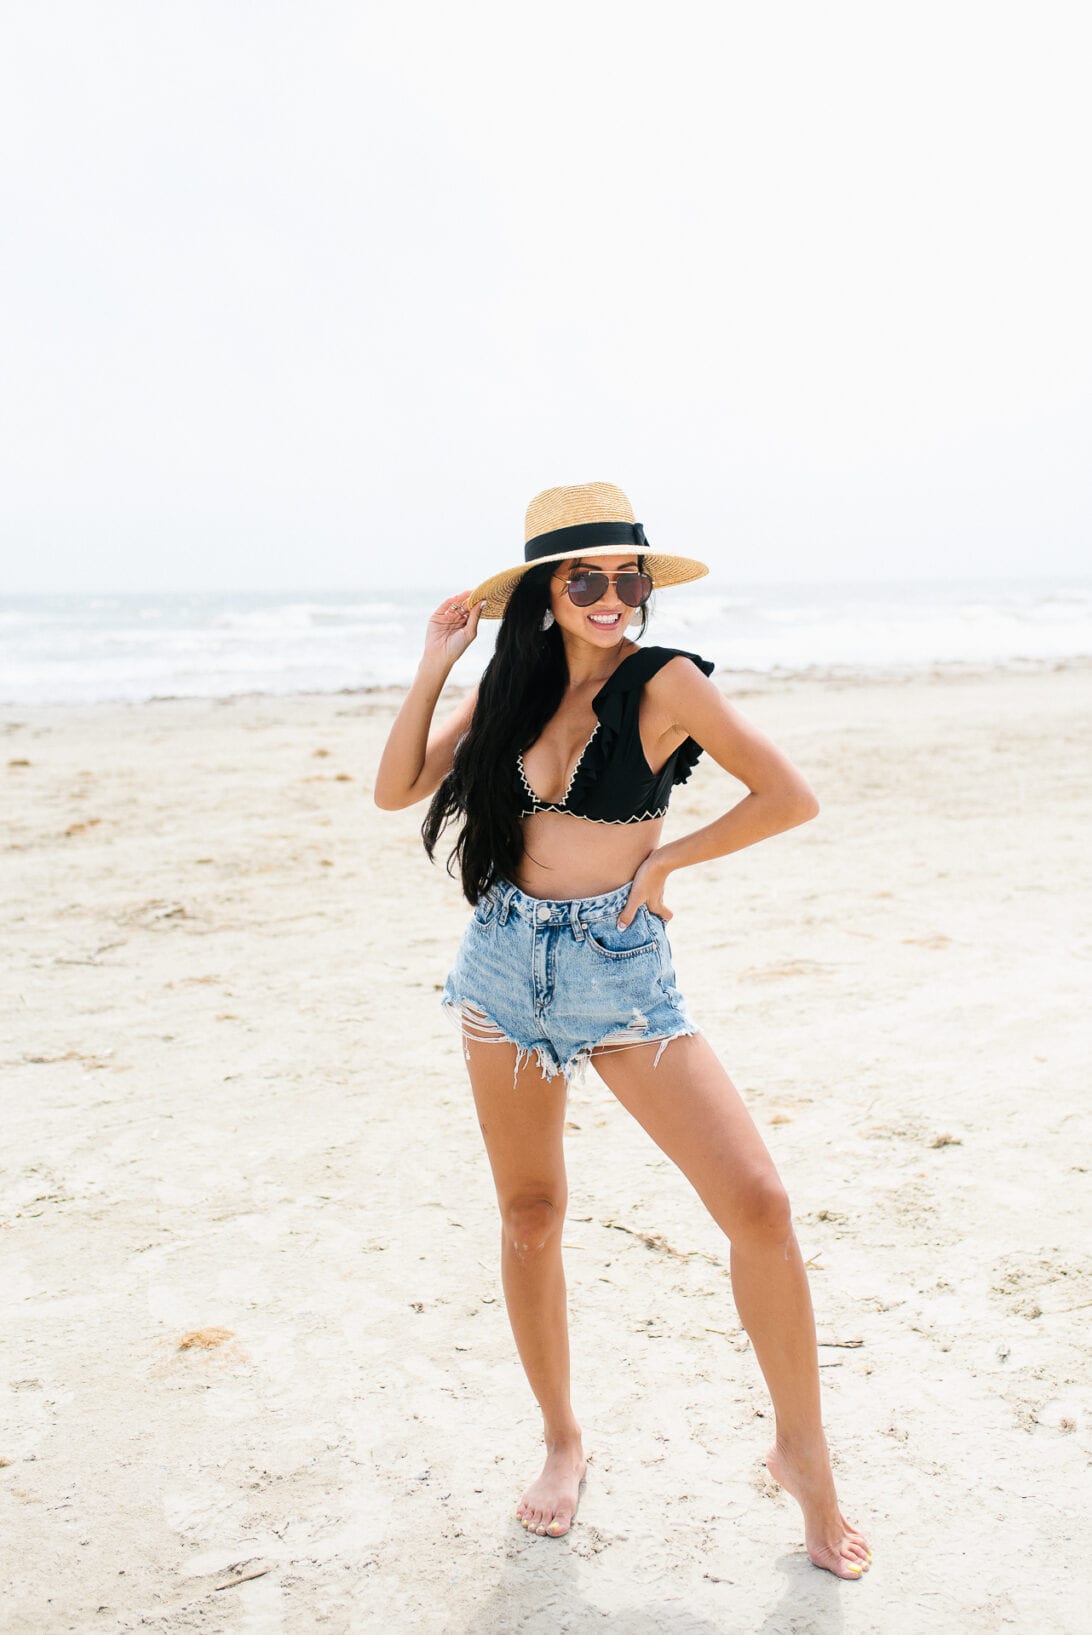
(634, 589)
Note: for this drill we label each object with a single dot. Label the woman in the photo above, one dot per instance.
(559, 766)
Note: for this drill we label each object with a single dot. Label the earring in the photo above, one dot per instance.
(547, 619)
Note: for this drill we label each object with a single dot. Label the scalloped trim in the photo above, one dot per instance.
(638, 817)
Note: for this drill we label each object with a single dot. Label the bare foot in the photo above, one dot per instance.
(549, 1504)
(831, 1541)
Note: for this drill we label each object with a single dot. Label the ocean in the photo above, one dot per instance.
(79, 649)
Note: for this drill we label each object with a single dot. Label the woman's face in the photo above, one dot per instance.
(604, 623)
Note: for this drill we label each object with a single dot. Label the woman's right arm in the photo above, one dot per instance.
(416, 759)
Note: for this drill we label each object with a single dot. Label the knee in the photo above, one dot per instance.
(765, 1213)
(530, 1222)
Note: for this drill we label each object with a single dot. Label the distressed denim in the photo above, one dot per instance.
(558, 979)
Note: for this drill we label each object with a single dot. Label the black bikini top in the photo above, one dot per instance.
(611, 781)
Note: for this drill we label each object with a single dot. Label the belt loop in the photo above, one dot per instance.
(505, 896)
(574, 920)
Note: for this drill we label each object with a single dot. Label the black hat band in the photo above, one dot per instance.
(572, 541)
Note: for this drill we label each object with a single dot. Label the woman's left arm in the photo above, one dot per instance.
(780, 796)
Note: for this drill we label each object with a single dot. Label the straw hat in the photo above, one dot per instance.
(585, 519)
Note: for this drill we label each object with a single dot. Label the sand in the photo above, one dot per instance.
(256, 1370)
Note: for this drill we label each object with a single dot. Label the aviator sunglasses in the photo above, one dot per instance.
(591, 585)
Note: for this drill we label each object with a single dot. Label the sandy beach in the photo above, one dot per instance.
(256, 1370)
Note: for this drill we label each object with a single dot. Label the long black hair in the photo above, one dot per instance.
(520, 691)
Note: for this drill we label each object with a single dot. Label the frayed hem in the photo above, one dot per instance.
(474, 1023)
(666, 1038)
(575, 1068)
(547, 1067)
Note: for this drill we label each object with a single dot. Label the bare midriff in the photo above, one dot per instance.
(566, 856)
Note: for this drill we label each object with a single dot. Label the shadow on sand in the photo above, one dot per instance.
(538, 1594)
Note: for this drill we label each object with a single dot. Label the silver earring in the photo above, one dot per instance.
(547, 619)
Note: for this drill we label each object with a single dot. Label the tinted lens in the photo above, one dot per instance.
(634, 588)
(586, 588)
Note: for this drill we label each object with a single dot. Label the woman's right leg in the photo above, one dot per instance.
(523, 1125)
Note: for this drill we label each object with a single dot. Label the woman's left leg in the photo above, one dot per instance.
(695, 1114)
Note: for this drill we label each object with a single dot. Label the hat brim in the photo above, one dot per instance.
(663, 568)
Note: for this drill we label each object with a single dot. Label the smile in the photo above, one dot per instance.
(607, 620)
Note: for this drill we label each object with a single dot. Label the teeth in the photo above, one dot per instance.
(605, 618)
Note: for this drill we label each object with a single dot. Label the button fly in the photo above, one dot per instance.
(542, 913)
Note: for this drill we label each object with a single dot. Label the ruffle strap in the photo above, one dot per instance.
(617, 705)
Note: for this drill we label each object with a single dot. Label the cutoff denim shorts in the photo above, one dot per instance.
(558, 979)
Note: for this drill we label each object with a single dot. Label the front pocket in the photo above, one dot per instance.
(608, 940)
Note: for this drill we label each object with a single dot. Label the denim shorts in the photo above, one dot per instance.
(558, 979)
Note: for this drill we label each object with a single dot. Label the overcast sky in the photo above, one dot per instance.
(317, 295)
